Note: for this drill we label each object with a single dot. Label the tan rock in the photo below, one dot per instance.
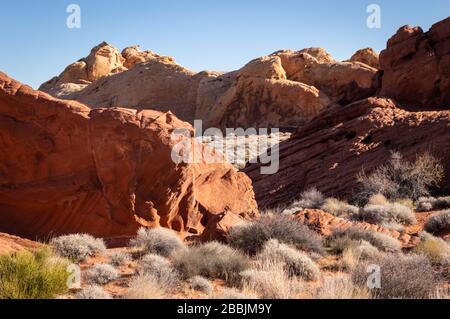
(367, 56)
(12, 244)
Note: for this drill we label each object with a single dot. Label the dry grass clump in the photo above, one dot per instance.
(145, 287)
(382, 241)
(426, 204)
(436, 249)
(386, 214)
(296, 263)
(120, 258)
(101, 274)
(340, 287)
(270, 281)
(212, 260)
(160, 241)
(438, 222)
(93, 292)
(77, 247)
(339, 208)
(399, 178)
(199, 283)
(402, 276)
(251, 237)
(160, 268)
(35, 275)
(234, 294)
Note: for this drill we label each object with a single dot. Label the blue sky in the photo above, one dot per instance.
(199, 34)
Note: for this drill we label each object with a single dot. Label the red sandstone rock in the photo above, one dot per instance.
(325, 224)
(331, 150)
(65, 168)
(11, 244)
(416, 67)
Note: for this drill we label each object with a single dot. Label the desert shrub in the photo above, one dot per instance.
(120, 258)
(251, 237)
(380, 240)
(402, 179)
(426, 204)
(438, 222)
(161, 241)
(269, 281)
(436, 249)
(101, 274)
(159, 268)
(402, 276)
(378, 199)
(77, 247)
(93, 292)
(339, 208)
(296, 263)
(387, 213)
(310, 198)
(199, 283)
(212, 260)
(32, 275)
(340, 287)
(145, 287)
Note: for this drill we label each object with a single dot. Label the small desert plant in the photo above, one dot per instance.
(145, 287)
(402, 179)
(270, 281)
(386, 213)
(101, 274)
(310, 198)
(426, 204)
(438, 222)
(340, 287)
(402, 276)
(296, 263)
(161, 241)
(159, 268)
(380, 240)
(339, 208)
(93, 292)
(120, 258)
(378, 199)
(251, 237)
(436, 249)
(77, 247)
(212, 260)
(32, 275)
(199, 283)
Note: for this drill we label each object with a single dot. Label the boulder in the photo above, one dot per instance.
(367, 56)
(416, 67)
(65, 168)
(330, 151)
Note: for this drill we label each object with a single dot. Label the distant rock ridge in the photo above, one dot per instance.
(285, 89)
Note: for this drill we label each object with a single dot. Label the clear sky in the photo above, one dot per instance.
(36, 44)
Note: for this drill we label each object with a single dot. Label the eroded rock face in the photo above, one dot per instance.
(331, 150)
(65, 168)
(416, 67)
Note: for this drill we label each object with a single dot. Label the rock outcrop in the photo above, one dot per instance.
(331, 150)
(367, 56)
(12, 244)
(285, 90)
(65, 168)
(325, 224)
(416, 67)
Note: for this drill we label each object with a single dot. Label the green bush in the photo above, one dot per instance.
(36, 275)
